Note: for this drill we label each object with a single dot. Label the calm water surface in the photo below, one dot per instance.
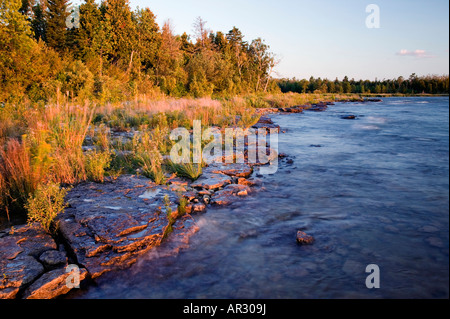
(374, 190)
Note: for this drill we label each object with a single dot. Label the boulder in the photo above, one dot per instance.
(304, 239)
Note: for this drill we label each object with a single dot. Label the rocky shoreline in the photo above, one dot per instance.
(108, 226)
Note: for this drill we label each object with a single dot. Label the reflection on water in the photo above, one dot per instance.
(368, 196)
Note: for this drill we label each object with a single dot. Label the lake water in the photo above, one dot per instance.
(374, 190)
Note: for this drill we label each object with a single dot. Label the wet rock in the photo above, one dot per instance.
(205, 192)
(304, 239)
(125, 220)
(267, 123)
(190, 195)
(206, 199)
(242, 193)
(228, 195)
(320, 107)
(232, 169)
(268, 110)
(292, 109)
(265, 120)
(211, 181)
(177, 188)
(18, 273)
(348, 117)
(196, 208)
(51, 284)
(53, 258)
(19, 250)
(250, 181)
(373, 100)
(175, 180)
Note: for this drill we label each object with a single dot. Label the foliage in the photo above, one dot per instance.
(115, 54)
(96, 162)
(45, 204)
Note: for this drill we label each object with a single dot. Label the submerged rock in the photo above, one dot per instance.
(348, 117)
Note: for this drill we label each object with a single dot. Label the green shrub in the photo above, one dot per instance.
(96, 162)
(45, 204)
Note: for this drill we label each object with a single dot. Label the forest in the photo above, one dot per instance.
(431, 84)
(109, 52)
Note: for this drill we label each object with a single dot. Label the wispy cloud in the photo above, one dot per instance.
(416, 53)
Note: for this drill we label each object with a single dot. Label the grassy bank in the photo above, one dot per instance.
(45, 148)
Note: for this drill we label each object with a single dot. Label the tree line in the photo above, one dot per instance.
(431, 84)
(111, 52)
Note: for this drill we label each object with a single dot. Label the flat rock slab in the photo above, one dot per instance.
(232, 169)
(51, 284)
(20, 250)
(109, 225)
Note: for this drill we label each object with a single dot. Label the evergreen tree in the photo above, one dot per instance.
(122, 32)
(56, 29)
(238, 48)
(38, 23)
(25, 9)
(148, 38)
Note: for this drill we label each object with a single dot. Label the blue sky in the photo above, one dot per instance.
(328, 38)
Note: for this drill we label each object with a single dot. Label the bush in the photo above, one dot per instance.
(45, 204)
(96, 162)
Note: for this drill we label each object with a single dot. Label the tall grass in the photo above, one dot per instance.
(188, 170)
(43, 144)
(50, 151)
(19, 178)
